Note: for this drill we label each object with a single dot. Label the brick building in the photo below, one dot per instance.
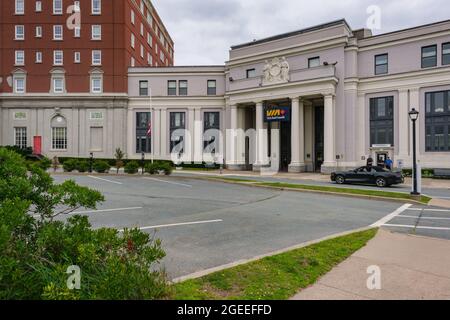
(53, 66)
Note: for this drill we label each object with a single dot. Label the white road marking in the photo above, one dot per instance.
(100, 211)
(391, 216)
(426, 218)
(170, 182)
(177, 224)
(414, 227)
(106, 180)
(428, 210)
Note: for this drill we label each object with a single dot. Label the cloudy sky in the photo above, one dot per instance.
(204, 30)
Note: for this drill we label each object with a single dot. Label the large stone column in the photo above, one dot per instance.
(261, 138)
(198, 136)
(329, 135)
(297, 136)
(403, 125)
(164, 139)
(231, 133)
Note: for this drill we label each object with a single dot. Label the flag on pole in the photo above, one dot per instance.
(149, 129)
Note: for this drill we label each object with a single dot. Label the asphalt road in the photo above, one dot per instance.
(205, 224)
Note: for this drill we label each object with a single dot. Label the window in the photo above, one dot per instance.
(96, 58)
(381, 64)
(446, 53)
(212, 84)
(20, 58)
(39, 32)
(177, 133)
(183, 88)
(143, 132)
(58, 32)
(96, 7)
(132, 16)
(149, 59)
(58, 58)
(314, 62)
(59, 133)
(20, 6)
(38, 57)
(143, 88)
(96, 32)
(162, 56)
(429, 56)
(142, 29)
(382, 121)
(149, 39)
(20, 134)
(57, 7)
(142, 51)
(141, 6)
(19, 33)
(133, 62)
(211, 121)
(38, 6)
(437, 121)
(172, 88)
(19, 85)
(77, 57)
(132, 40)
(149, 19)
(77, 32)
(96, 84)
(58, 85)
(251, 73)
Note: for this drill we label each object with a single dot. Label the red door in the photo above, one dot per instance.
(37, 145)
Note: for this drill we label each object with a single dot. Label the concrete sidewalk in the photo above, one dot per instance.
(412, 267)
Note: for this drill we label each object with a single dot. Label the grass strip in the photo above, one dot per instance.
(277, 277)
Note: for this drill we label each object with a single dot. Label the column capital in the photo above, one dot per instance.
(329, 95)
(258, 102)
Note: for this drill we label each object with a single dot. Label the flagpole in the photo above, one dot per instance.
(151, 128)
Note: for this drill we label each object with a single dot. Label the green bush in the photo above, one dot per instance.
(101, 166)
(152, 168)
(35, 254)
(70, 165)
(45, 163)
(132, 167)
(82, 166)
(166, 167)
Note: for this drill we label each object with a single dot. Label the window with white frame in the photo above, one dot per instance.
(133, 62)
(57, 32)
(96, 84)
(132, 40)
(58, 57)
(149, 19)
(96, 32)
(20, 6)
(149, 39)
(96, 58)
(57, 7)
(59, 133)
(141, 7)
(149, 59)
(38, 31)
(38, 57)
(162, 56)
(58, 84)
(19, 32)
(77, 32)
(142, 29)
(19, 84)
(132, 17)
(142, 51)
(20, 137)
(38, 6)
(77, 57)
(20, 58)
(96, 7)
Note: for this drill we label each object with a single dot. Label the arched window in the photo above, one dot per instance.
(59, 133)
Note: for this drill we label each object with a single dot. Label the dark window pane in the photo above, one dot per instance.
(172, 88)
(446, 53)
(381, 64)
(212, 87)
(382, 121)
(437, 121)
(143, 88)
(429, 56)
(183, 91)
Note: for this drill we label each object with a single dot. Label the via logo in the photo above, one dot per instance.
(374, 19)
(374, 280)
(74, 280)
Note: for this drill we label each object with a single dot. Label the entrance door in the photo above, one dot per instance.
(285, 146)
(381, 159)
(318, 138)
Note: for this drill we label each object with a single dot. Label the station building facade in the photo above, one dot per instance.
(315, 100)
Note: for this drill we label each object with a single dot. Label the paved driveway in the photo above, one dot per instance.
(205, 224)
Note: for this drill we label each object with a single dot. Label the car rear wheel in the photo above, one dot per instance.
(381, 182)
(340, 179)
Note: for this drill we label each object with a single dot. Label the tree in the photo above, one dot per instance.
(119, 156)
(36, 249)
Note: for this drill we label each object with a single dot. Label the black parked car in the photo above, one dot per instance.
(375, 175)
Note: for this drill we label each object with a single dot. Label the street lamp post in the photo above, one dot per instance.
(91, 161)
(414, 115)
(143, 162)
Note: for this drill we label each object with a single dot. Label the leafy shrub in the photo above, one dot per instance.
(82, 166)
(152, 168)
(132, 167)
(45, 163)
(35, 254)
(101, 166)
(166, 167)
(119, 156)
(70, 165)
